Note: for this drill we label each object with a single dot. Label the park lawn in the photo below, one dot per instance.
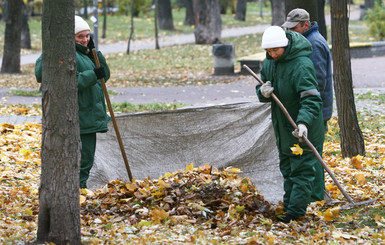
(107, 214)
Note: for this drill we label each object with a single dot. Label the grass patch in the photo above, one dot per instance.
(35, 109)
(379, 98)
(363, 217)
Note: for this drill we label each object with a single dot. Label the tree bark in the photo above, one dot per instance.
(25, 33)
(104, 18)
(12, 39)
(352, 142)
(240, 13)
(309, 5)
(190, 16)
(209, 28)
(132, 27)
(278, 12)
(59, 212)
(85, 9)
(165, 15)
(321, 18)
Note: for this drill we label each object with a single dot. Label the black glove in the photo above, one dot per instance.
(99, 71)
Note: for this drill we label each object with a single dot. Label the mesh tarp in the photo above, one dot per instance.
(239, 135)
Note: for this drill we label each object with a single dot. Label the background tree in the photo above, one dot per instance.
(190, 16)
(104, 6)
(132, 27)
(314, 7)
(240, 13)
(278, 12)
(25, 33)
(12, 39)
(352, 142)
(85, 13)
(321, 18)
(156, 24)
(165, 15)
(59, 216)
(209, 28)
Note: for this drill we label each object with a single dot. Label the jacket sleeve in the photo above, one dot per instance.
(38, 70)
(320, 58)
(310, 99)
(264, 79)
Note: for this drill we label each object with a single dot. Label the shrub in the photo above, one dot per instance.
(375, 18)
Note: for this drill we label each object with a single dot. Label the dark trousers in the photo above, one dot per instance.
(87, 157)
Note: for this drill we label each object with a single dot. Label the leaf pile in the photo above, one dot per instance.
(193, 195)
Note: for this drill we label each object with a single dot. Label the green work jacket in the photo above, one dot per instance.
(93, 117)
(295, 84)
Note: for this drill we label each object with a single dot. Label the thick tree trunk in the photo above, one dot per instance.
(321, 18)
(209, 28)
(352, 142)
(240, 13)
(12, 39)
(278, 12)
(25, 33)
(59, 212)
(165, 15)
(309, 5)
(190, 16)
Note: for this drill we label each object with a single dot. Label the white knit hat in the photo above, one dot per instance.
(274, 37)
(81, 25)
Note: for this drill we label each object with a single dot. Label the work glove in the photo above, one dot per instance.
(266, 89)
(300, 132)
(99, 71)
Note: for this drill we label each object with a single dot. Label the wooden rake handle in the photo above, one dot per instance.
(113, 117)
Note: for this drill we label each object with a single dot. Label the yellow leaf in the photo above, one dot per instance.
(82, 199)
(357, 162)
(158, 214)
(378, 217)
(28, 211)
(239, 208)
(190, 167)
(331, 213)
(360, 179)
(296, 150)
(130, 187)
(244, 187)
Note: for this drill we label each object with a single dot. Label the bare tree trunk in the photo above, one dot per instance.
(321, 18)
(278, 12)
(209, 28)
(309, 5)
(25, 33)
(165, 15)
(59, 212)
(132, 27)
(156, 25)
(190, 16)
(352, 142)
(104, 19)
(85, 9)
(12, 39)
(240, 13)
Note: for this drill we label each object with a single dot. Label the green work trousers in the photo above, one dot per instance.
(299, 173)
(87, 157)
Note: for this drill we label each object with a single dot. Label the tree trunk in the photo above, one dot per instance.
(190, 16)
(59, 212)
(12, 39)
(321, 18)
(132, 26)
(104, 18)
(165, 15)
(85, 9)
(209, 28)
(309, 5)
(240, 14)
(25, 33)
(369, 4)
(224, 5)
(156, 25)
(278, 12)
(352, 142)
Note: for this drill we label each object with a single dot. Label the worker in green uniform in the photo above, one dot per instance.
(289, 73)
(93, 117)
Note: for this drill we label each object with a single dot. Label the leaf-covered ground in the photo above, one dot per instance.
(199, 204)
